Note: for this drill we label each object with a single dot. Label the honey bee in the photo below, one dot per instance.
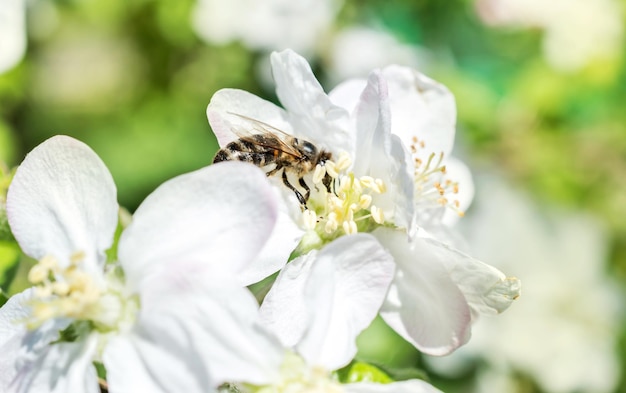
(267, 146)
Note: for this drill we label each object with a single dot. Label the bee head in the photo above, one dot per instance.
(308, 149)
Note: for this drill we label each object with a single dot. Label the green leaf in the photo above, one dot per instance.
(362, 372)
(9, 258)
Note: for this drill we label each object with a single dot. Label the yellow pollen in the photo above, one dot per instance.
(330, 169)
(318, 174)
(61, 292)
(348, 203)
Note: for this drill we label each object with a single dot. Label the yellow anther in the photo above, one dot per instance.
(49, 262)
(349, 227)
(380, 186)
(38, 274)
(343, 162)
(319, 173)
(365, 201)
(367, 181)
(377, 215)
(331, 223)
(43, 291)
(309, 218)
(330, 169)
(60, 288)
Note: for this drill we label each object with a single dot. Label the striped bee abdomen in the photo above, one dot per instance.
(247, 151)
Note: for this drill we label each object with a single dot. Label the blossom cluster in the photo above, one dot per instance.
(164, 306)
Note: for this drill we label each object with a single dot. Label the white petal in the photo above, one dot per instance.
(275, 254)
(322, 301)
(421, 107)
(381, 155)
(62, 200)
(208, 322)
(232, 109)
(62, 368)
(218, 217)
(12, 332)
(485, 288)
(313, 115)
(12, 33)
(135, 364)
(347, 94)
(424, 304)
(284, 310)
(410, 386)
(12, 315)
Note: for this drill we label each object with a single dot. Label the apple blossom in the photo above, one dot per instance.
(402, 197)
(149, 316)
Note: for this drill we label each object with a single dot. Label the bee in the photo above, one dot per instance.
(268, 146)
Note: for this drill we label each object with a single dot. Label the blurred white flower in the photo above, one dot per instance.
(150, 317)
(12, 33)
(266, 25)
(563, 331)
(576, 31)
(87, 71)
(376, 185)
(355, 51)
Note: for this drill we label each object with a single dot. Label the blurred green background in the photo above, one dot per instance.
(540, 90)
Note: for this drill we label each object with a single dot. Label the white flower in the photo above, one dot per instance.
(318, 318)
(151, 316)
(266, 25)
(576, 32)
(356, 50)
(12, 33)
(378, 187)
(566, 326)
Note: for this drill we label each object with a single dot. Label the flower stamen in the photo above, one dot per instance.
(349, 207)
(432, 188)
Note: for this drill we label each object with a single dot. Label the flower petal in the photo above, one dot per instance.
(232, 109)
(410, 386)
(205, 323)
(347, 94)
(312, 114)
(422, 108)
(424, 305)
(61, 201)
(12, 332)
(219, 217)
(487, 290)
(60, 368)
(381, 155)
(275, 254)
(322, 301)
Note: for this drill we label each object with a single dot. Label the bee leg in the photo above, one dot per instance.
(307, 194)
(327, 181)
(273, 171)
(292, 188)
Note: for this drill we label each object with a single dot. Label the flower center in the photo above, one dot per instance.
(298, 377)
(346, 206)
(71, 292)
(432, 186)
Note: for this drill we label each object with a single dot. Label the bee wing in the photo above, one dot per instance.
(278, 142)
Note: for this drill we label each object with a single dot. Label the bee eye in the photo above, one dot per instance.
(309, 149)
